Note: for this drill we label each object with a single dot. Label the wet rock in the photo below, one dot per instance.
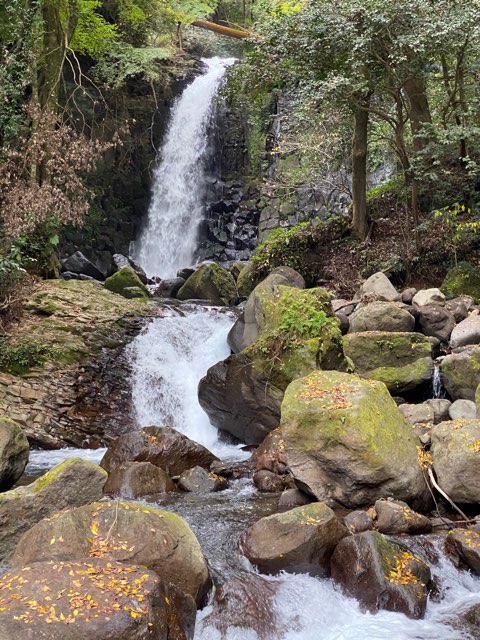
(292, 498)
(210, 282)
(381, 574)
(403, 361)
(138, 479)
(440, 408)
(161, 446)
(185, 273)
(14, 451)
(124, 279)
(463, 410)
(456, 459)
(72, 483)
(301, 540)
(198, 480)
(459, 307)
(125, 532)
(347, 443)
(268, 482)
(169, 288)
(466, 332)
(408, 295)
(121, 261)
(394, 517)
(111, 602)
(415, 413)
(425, 297)
(358, 521)
(461, 373)
(379, 287)
(381, 316)
(79, 264)
(463, 548)
(270, 455)
(435, 320)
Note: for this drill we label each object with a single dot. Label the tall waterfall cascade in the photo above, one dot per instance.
(169, 238)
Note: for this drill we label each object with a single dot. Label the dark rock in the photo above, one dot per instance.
(435, 320)
(169, 288)
(463, 548)
(381, 574)
(292, 498)
(185, 273)
(408, 295)
(358, 521)
(14, 451)
(394, 517)
(268, 482)
(459, 308)
(198, 480)
(78, 263)
(344, 322)
(137, 479)
(301, 540)
(120, 261)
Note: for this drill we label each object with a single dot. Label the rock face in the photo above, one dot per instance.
(466, 332)
(456, 459)
(301, 540)
(132, 602)
(463, 279)
(463, 547)
(425, 297)
(379, 287)
(125, 278)
(72, 483)
(198, 480)
(347, 443)
(161, 446)
(137, 479)
(381, 316)
(381, 574)
(14, 452)
(124, 532)
(210, 282)
(79, 264)
(394, 517)
(436, 321)
(461, 373)
(403, 361)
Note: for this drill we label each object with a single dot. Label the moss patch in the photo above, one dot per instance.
(463, 279)
(123, 280)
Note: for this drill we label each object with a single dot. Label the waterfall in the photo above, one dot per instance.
(169, 239)
(437, 386)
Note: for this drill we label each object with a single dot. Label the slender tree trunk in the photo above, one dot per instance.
(359, 171)
(418, 109)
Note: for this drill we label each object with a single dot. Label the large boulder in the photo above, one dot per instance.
(125, 532)
(79, 264)
(199, 480)
(298, 334)
(463, 279)
(381, 316)
(417, 413)
(395, 517)
(124, 279)
(466, 332)
(381, 574)
(14, 451)
(72, 483)
(461, 373)
(403, 361)
(379, 287)
(94, 600)
(301, 540)
(347, 443)
(138, 479)
(161, 446)
(440, 408)
(210, 282)
(462, 410)
(463, 548)
(436, 321)
(456, 459)
(121, 261)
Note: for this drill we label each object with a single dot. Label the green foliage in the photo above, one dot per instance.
(93, 36)
(461, 223)
(33, 252)
(302, 320)
(395, 185)
(124, 61)
(18, 359)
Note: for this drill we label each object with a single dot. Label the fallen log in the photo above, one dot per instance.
(220, 29)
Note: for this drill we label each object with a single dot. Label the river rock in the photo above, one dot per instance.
(466, 332)
(301, 540)
(125, 532)
(403, 361)
(14, 451)
(161, 446)
(379, 287)
(463, 279)
(381, 316)
(125, 278)
(210, 282)
(440, 407)
(72, 483)
(394, 517)
(381, 574)
(169, 288)
(461, 373)
(120, 261)
(347, 443)
(463, 548)
(138, 479)
(78, 263)
(92, 600)
(463, 410)
(416, 413)
(456, 459)
(460, 307)
(435, 320)
(292, 498)
(425, 297)
(358, 521)
(198, 480)
(408, 295)
(268, 482)
(271, 455)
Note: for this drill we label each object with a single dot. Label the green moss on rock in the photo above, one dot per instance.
(463, 279)
(123, 281)
(210, 282)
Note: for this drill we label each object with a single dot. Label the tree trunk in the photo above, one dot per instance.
(224, 31)
(359, 171)
(418, 109)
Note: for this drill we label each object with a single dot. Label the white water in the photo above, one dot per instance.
(168, 360)
(169, 239)
(41, 460)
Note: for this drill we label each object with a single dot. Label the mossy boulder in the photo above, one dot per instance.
(72, 483)
(210, 282)
(125, 532)
(461, 373)
(402, 361)
(347, 443)
(247, 280)
(464, 279)
(381, 316)
(14, 451)
(123, 281)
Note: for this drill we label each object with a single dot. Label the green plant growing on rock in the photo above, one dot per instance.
(462, 225)
(18, 359)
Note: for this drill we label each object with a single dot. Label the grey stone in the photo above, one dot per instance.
(379, 287)
(381, 316)
(78, 263)
(428, 296)
(463, 410)
(466, 332)
(436, 321)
